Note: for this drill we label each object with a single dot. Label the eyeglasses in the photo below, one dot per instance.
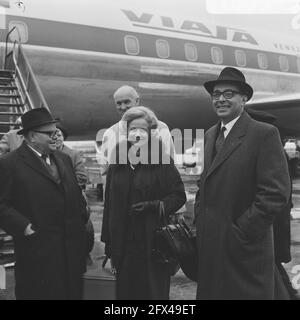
(50, 134)
(227, 94)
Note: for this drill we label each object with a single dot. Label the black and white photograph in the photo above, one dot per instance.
(150, 151)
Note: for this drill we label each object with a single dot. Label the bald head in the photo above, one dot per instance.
(126, 97)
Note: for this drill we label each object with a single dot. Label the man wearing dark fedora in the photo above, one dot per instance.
(42, 207)
(244, 185)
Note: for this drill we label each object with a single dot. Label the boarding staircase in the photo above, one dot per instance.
(19, 90)
(11, 105)
(19, 93)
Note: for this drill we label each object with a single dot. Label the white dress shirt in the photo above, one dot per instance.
(229, 125)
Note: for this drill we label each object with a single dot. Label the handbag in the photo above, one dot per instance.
(175, 245)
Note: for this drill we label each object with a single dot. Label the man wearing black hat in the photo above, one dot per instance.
(244, 185)
(42, 207)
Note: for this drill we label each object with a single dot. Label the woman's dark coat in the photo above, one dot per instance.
(150, 182)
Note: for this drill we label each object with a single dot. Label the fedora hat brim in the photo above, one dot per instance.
(245, 87)
(22, 131)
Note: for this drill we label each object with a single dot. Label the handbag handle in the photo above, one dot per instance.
(164, 222)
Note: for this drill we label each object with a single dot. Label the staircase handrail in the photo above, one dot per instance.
(6, 44)
(19, 57)
(43, 103)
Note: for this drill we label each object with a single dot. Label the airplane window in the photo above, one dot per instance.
(132, 45)
(240, 58)
(217, 55)
(262, 60)
(20, 34)
(191, 53)
(298, 63)
(162, 49)
(284, 63)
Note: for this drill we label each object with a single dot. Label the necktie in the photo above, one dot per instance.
(220, 139)
(46, 158)
(51, 167)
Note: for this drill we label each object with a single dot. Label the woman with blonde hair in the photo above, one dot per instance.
(134, 191)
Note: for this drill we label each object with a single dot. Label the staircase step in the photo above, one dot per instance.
(6, 123)
(3, 133)
(6, 73)
(11, 113)
(13, 96)
(6, 88)
(3, 104)
(5, 80)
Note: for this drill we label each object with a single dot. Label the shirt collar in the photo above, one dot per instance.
(35, 151)
(39, 154)
(229, 125)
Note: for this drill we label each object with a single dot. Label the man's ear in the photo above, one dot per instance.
(30, 136)
(137, 101)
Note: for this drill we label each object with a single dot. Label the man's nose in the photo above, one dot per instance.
(222, 98)
(123, 106)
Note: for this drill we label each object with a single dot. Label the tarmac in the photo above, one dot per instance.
(181, 287)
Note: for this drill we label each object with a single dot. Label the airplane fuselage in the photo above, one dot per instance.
(79, 66)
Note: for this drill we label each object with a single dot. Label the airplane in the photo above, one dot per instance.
(82, 51)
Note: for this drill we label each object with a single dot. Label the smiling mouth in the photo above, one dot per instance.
(223, 107)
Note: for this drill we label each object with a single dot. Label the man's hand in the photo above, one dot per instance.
(146, 206)
(28, 231)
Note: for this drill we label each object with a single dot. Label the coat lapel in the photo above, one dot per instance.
(32, 160)
(232, 142)
(60, 165)
(209, 146)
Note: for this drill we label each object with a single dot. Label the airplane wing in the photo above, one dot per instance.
(286, 108)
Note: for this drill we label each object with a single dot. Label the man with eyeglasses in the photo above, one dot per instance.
(244, 185)
(42, 207)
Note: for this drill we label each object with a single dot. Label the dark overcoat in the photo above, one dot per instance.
(240, 192)
(148, 182)
(49, 263)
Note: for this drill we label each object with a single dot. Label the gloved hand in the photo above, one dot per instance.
(145, 206)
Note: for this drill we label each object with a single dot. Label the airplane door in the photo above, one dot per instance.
(20, 34)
